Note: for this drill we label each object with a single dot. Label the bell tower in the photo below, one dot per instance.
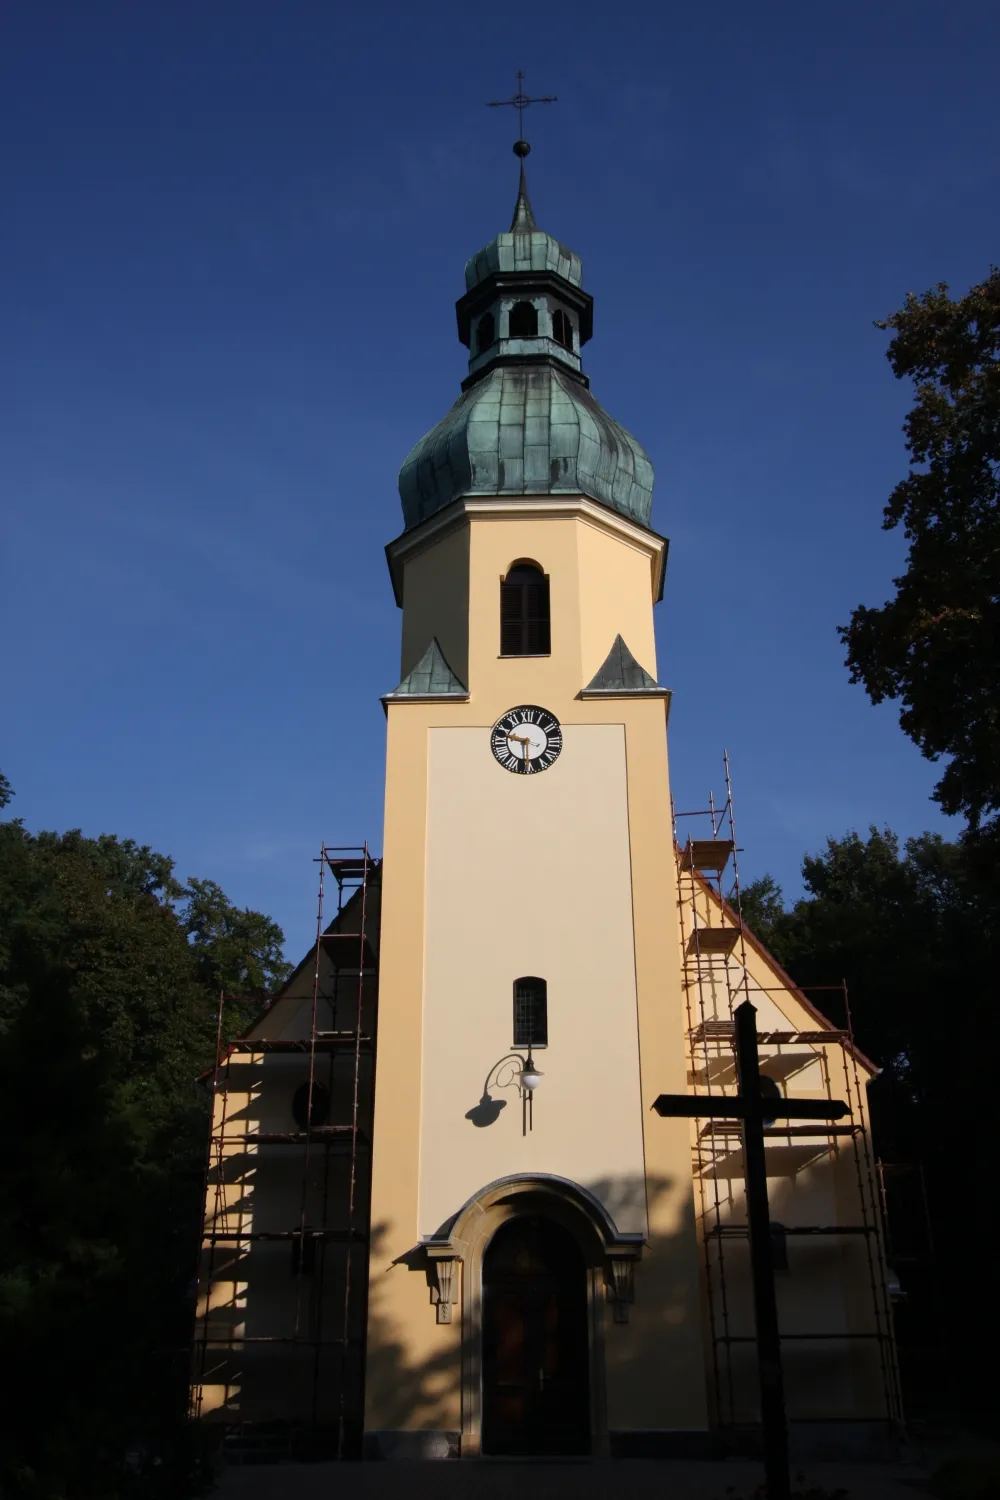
(534, 1275)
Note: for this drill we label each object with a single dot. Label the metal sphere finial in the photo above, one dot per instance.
(521, 149)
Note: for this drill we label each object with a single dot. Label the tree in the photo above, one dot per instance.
(109, 978)
(935, 646)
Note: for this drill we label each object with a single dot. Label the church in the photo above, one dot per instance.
(442, 1217)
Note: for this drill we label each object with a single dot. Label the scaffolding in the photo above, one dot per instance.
(313, 1406)
(716, 979)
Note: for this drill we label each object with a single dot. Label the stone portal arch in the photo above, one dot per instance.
(455, 1254)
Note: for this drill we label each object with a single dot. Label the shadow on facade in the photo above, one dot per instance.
(673, 1350)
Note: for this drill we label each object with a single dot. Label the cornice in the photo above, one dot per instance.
(468, 508)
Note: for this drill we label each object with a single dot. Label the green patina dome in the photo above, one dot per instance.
(524, 247)
(526, 422)
(529, 430)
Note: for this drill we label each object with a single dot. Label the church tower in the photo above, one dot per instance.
(530, 999)
(473, 1048)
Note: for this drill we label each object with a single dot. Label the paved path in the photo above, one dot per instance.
(481, 1479)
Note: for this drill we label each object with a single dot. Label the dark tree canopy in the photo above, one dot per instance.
(109, 975)
(935, 646)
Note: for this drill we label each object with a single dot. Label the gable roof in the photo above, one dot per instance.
(347, 921)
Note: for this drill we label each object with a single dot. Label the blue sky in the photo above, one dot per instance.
(235, 234)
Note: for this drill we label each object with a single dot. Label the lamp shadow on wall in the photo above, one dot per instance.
(503, 1074)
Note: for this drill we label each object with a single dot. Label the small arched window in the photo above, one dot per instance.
(485, 333)
(524, 612)
(523, 321)
(531, 1020)
(320, 1111)
(562, 329)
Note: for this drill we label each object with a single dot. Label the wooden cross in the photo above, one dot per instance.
(753, 1108)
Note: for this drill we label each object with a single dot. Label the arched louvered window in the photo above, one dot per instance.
(524, 612)
(485, 332)
(523, 321)
(531, 1020)
(562, 329)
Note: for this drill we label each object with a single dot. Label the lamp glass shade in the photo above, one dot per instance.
(530, 1077)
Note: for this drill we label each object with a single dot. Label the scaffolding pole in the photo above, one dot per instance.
(329, 1308)
(716, 980)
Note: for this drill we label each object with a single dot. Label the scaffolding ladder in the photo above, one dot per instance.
(715, 981)
(329, 1304)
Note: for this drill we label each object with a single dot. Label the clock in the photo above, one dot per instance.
(526, 739)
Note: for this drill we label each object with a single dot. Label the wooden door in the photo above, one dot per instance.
(536, 1376)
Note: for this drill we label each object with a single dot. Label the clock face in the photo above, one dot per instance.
(526, 739)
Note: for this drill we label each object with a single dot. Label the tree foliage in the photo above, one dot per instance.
(109, 977)
(935, 646)
(916, 935)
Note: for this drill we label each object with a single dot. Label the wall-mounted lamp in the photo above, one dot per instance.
(529, 1080)
(531, 1076)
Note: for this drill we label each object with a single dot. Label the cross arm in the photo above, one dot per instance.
(699, 1106)
(730, 1107)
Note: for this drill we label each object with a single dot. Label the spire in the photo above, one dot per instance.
(524, 220)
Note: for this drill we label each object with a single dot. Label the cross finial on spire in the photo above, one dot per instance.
(520, 102)
(524, 219)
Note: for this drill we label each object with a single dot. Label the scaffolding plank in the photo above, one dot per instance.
(293, 1137)
(334, 1236)
(741, 1231)
(707, 854)
(719, 1030)
(326, 1041)
(713, 1031)
(732, 1128)
(713, 940)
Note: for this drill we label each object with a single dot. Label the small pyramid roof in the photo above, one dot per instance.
(432, 677)
(620, 675)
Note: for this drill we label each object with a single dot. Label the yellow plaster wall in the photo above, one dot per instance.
(530, 876)
(552, 679)
(656, 1362)
(614, 582)
(436, 603)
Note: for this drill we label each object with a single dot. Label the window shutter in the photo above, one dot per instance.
(536, 618)
(524, 613)
(511, 631)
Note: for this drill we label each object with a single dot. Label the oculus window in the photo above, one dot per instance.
(320, 1112)
(769, 1090)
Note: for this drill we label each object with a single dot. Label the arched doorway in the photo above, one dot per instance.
(536, 1360)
